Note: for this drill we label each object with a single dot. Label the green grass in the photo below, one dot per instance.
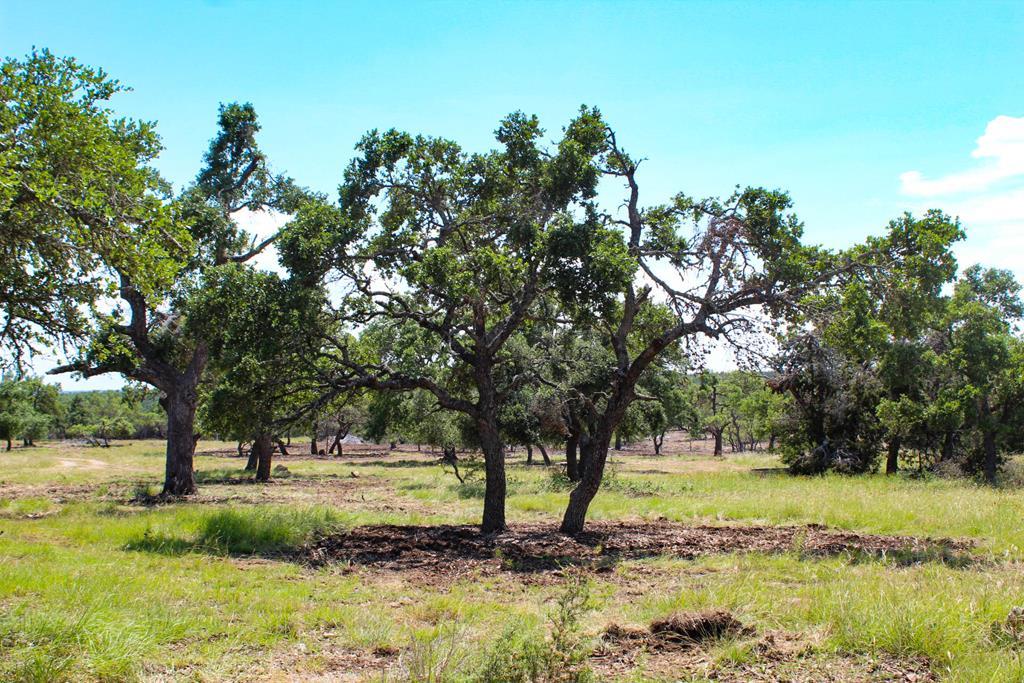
(96, 586)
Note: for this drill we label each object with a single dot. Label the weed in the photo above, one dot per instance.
(433, 656)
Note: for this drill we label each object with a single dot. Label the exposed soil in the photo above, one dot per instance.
(696, 626)
(84, 463)
(366, 492)
(776, 656)
(447, 549)
(57, 493)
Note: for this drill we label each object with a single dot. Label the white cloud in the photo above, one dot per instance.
(1002, 143)
(988, 198)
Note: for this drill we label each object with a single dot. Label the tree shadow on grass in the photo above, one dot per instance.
(397, 464)
(450, 549)
(315, 537)
(273, 533)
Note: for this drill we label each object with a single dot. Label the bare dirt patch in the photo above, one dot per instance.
(776, 656)
(448, 549)
(696, 626)
(57, 493)
(82, 463)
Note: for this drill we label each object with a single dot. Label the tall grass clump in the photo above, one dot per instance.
(260, 531)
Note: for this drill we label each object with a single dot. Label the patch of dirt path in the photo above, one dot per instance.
(447, 549)
(83, 463)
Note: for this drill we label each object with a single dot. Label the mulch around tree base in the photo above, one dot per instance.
(448, 549)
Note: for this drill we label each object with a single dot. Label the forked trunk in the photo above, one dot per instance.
(659, 439)
(179, 478)
(892, 460)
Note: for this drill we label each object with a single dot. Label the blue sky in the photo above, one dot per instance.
(860, 110)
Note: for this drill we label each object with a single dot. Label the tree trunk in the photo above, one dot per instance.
(594, 454)
(313, 449)
(771, 443)
(572, 469)
(250, 466)
(486, 417)
(718, 441)
(739, 436)
(179, 478)
(263, 447)
(618, 442)
(988, 440)
(449, 457)
(892, 460)
(494, 470)
(544, 454)
(529, 454)
(283, 446)
(659, 439)
(9, 445)
(947, 447)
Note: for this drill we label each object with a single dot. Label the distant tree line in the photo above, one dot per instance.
(31, 411)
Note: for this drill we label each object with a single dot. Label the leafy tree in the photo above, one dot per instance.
(666, 405)
(79, 201)
(155, 345)
(716, 265)
(453, 252)
(344, 415)
(257, 387)
(28, 408)
(832, 423)
(903, 298)
(709, 406)
(860, 368)
(986, 357)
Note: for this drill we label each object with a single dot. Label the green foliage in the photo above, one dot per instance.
(29, 409)
(522, 654)
(832, 421)
(79, 200)
(133, 412)
(892, 357)
(257, 372)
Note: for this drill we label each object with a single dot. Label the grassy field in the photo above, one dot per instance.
(98, 582)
